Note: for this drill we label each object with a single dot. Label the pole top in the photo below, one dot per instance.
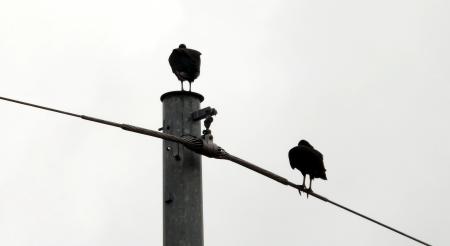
(182, 93)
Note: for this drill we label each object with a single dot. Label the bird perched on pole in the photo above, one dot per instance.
(308, 161)
(185, 64)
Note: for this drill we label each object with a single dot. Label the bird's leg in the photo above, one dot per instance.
(190, 85)
(182, 85)
(302, 186)
(310, 186)
(310, 183)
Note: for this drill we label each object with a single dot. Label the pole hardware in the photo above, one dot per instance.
(204, 146)
(203, 113)
(207, 114)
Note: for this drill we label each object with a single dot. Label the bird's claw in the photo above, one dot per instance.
(308, 191)
(301, 188)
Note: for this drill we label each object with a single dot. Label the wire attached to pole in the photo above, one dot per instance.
(213, 151)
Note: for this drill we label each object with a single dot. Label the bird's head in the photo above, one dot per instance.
(182, 46)
(304, 143)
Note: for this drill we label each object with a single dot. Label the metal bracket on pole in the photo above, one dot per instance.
(203, 113)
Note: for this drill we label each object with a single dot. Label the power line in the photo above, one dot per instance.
(196, 145)
(311, 193)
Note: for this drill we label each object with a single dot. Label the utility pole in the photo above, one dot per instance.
(182, 172)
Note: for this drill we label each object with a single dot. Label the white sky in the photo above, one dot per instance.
(366, 82)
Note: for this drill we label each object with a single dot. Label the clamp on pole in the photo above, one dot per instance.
(204, 146)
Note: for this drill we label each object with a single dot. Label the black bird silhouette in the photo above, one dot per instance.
(185, 64)
(308, 160)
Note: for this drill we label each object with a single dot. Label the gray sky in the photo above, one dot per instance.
(366, 82)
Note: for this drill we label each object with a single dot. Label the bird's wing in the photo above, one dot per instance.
(179, 60)
(193, 55)
(316, 166)
(173, 59)
(318, 154)
(293, 156)
(193, 52)
(311, 151)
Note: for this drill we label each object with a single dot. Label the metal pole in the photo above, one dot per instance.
(182, 172)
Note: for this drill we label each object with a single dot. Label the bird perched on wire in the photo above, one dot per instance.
(185, 64)
(308, 161)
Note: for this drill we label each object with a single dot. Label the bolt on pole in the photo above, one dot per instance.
(182, 172)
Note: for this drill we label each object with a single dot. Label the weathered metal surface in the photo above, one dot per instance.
(182, 172)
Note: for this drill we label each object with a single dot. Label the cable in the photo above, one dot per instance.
(41, 107)
(125, 127)
(377, 222)
(310, 192)
(226, 156)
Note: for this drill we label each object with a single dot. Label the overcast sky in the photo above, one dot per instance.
(366, 82)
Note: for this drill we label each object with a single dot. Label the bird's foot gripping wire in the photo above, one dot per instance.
(308, 191)
(301, 188)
